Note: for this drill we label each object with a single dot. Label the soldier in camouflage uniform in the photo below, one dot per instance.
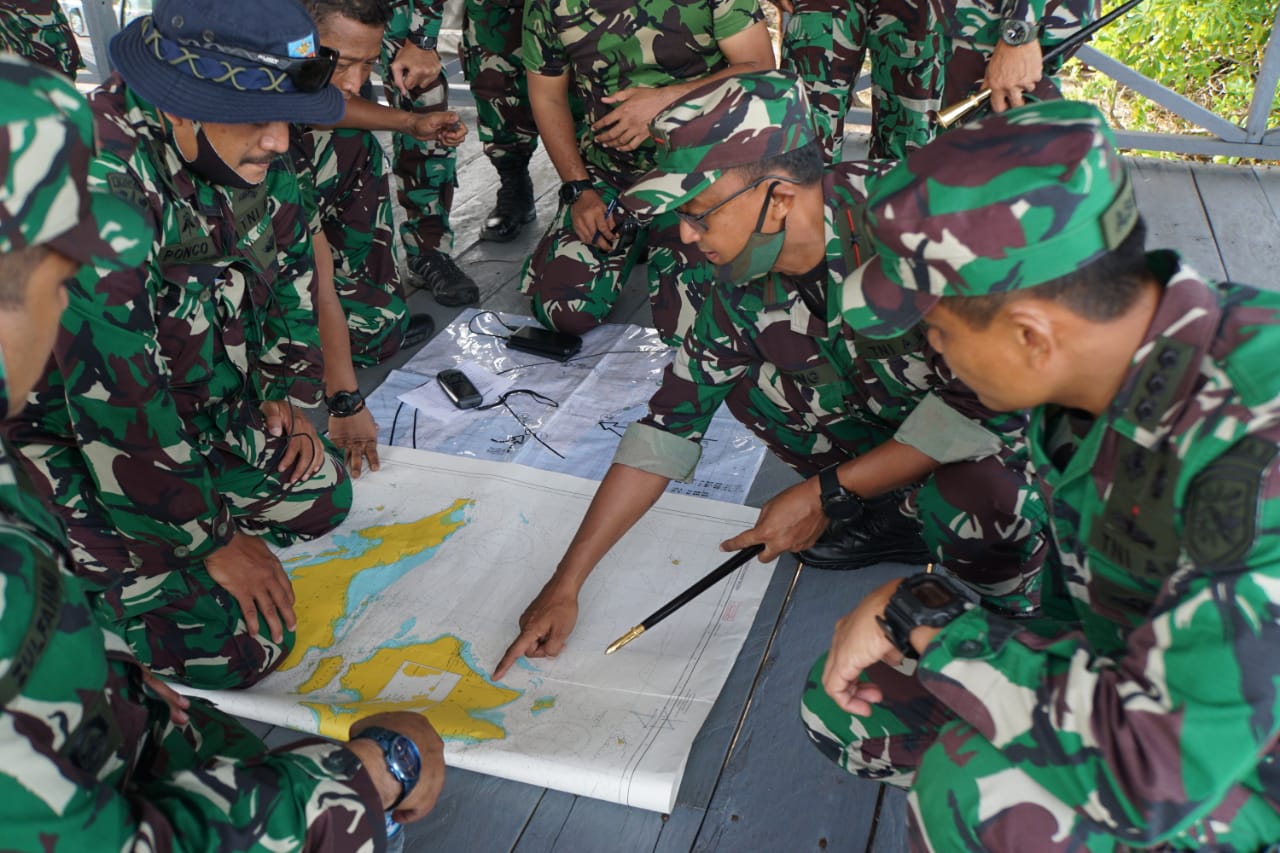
(625, 62)
(825, 43)
(168, 432)
(98, 754)
(491, 60)
(1139, 710)
(39, 30)
(857, 418)
(925, 54)
(427, 169)
(999, 45)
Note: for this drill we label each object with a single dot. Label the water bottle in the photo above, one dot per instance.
(395, 835)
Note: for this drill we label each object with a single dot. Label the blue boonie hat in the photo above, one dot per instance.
(171, 58)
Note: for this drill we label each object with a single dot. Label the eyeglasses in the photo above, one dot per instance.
(698, 222)
(308, 74)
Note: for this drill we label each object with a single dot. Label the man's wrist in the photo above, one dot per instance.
(375, 764)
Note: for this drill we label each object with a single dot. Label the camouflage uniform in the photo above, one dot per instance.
(92, 760)
(39, 31)
(345, 186)
(825, 43)
(777, 353)
(972, 30)
(572, 285)
(1138, 711)
(491, 60)
(146, 434)
(428, 171)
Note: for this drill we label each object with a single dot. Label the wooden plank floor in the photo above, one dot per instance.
(753, 782)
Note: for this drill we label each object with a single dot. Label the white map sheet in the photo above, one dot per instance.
(596, 395)
(411, 603)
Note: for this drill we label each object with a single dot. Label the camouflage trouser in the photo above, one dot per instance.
(491, 38)
(572, 286)
(983, 520)
(967, 794)
(38, 30)
(174, 616)
(197, 753)
(428, 171)
(825, 43)
(356, 216)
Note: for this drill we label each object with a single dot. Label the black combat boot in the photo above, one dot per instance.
(879, 534)
(439, 275)
(514, 207)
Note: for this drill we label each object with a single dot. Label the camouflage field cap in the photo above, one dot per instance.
(1016, 200)
(722, 125)
(46, 143)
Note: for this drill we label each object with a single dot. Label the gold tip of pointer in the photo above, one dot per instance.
(624, 639)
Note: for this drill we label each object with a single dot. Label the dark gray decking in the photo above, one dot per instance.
(753, 782)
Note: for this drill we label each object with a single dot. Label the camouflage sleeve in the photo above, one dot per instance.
(1147, 740)
(711, 360)
(302, 150)
(425, 16)
(730, 17)
(151, 478)
(943, 434)
(541, 48)
(291, 365)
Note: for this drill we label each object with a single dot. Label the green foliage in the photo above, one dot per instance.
(1207, 50)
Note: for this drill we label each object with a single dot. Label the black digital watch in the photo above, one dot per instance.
(926, 599)
(571, 191)
(838, 503)
(344, 404)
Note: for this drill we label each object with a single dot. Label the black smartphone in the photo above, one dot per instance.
(557, 345)
(458, 388)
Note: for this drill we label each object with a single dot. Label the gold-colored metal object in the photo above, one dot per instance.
(948, 116)
(624, 639)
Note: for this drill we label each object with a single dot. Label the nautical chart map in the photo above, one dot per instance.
(411, 603)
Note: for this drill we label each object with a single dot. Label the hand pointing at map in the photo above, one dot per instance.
(544, 626)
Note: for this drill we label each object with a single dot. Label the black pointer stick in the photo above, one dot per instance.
(717, 574)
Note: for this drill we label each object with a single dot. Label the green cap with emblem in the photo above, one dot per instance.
(1015, 200)
(46, 144)
(723, 125)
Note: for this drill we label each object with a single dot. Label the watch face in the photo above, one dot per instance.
(405, 759)
(344, 403)
(932, 594)
(1015, 33)
(569, 193)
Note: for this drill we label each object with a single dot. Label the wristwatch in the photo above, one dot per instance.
(837, 502)
(404, 762)
(925, 599)
(344, 404)
(420, 39)
(571, 191)
(1016, 33)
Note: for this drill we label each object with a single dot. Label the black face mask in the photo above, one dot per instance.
(208, 164)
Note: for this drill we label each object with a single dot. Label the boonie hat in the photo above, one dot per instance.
(722, 125)
(46, 143)
(1015, 200)
(230, 61)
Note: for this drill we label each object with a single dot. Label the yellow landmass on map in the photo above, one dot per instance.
(430, 677)
(321, 589)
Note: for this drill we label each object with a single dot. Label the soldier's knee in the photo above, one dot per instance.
(826, 725)
(572, 316)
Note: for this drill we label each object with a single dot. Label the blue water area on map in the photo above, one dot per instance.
(550, 703)
(346, 546)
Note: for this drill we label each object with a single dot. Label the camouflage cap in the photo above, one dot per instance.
(1018, 199)
(46, 143)
(722, 125)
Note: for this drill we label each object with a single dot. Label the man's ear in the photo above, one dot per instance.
(1035, 332)
(184, 134)
(782, 201)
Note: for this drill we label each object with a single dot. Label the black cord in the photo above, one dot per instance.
(494, 314)
(502, 401)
